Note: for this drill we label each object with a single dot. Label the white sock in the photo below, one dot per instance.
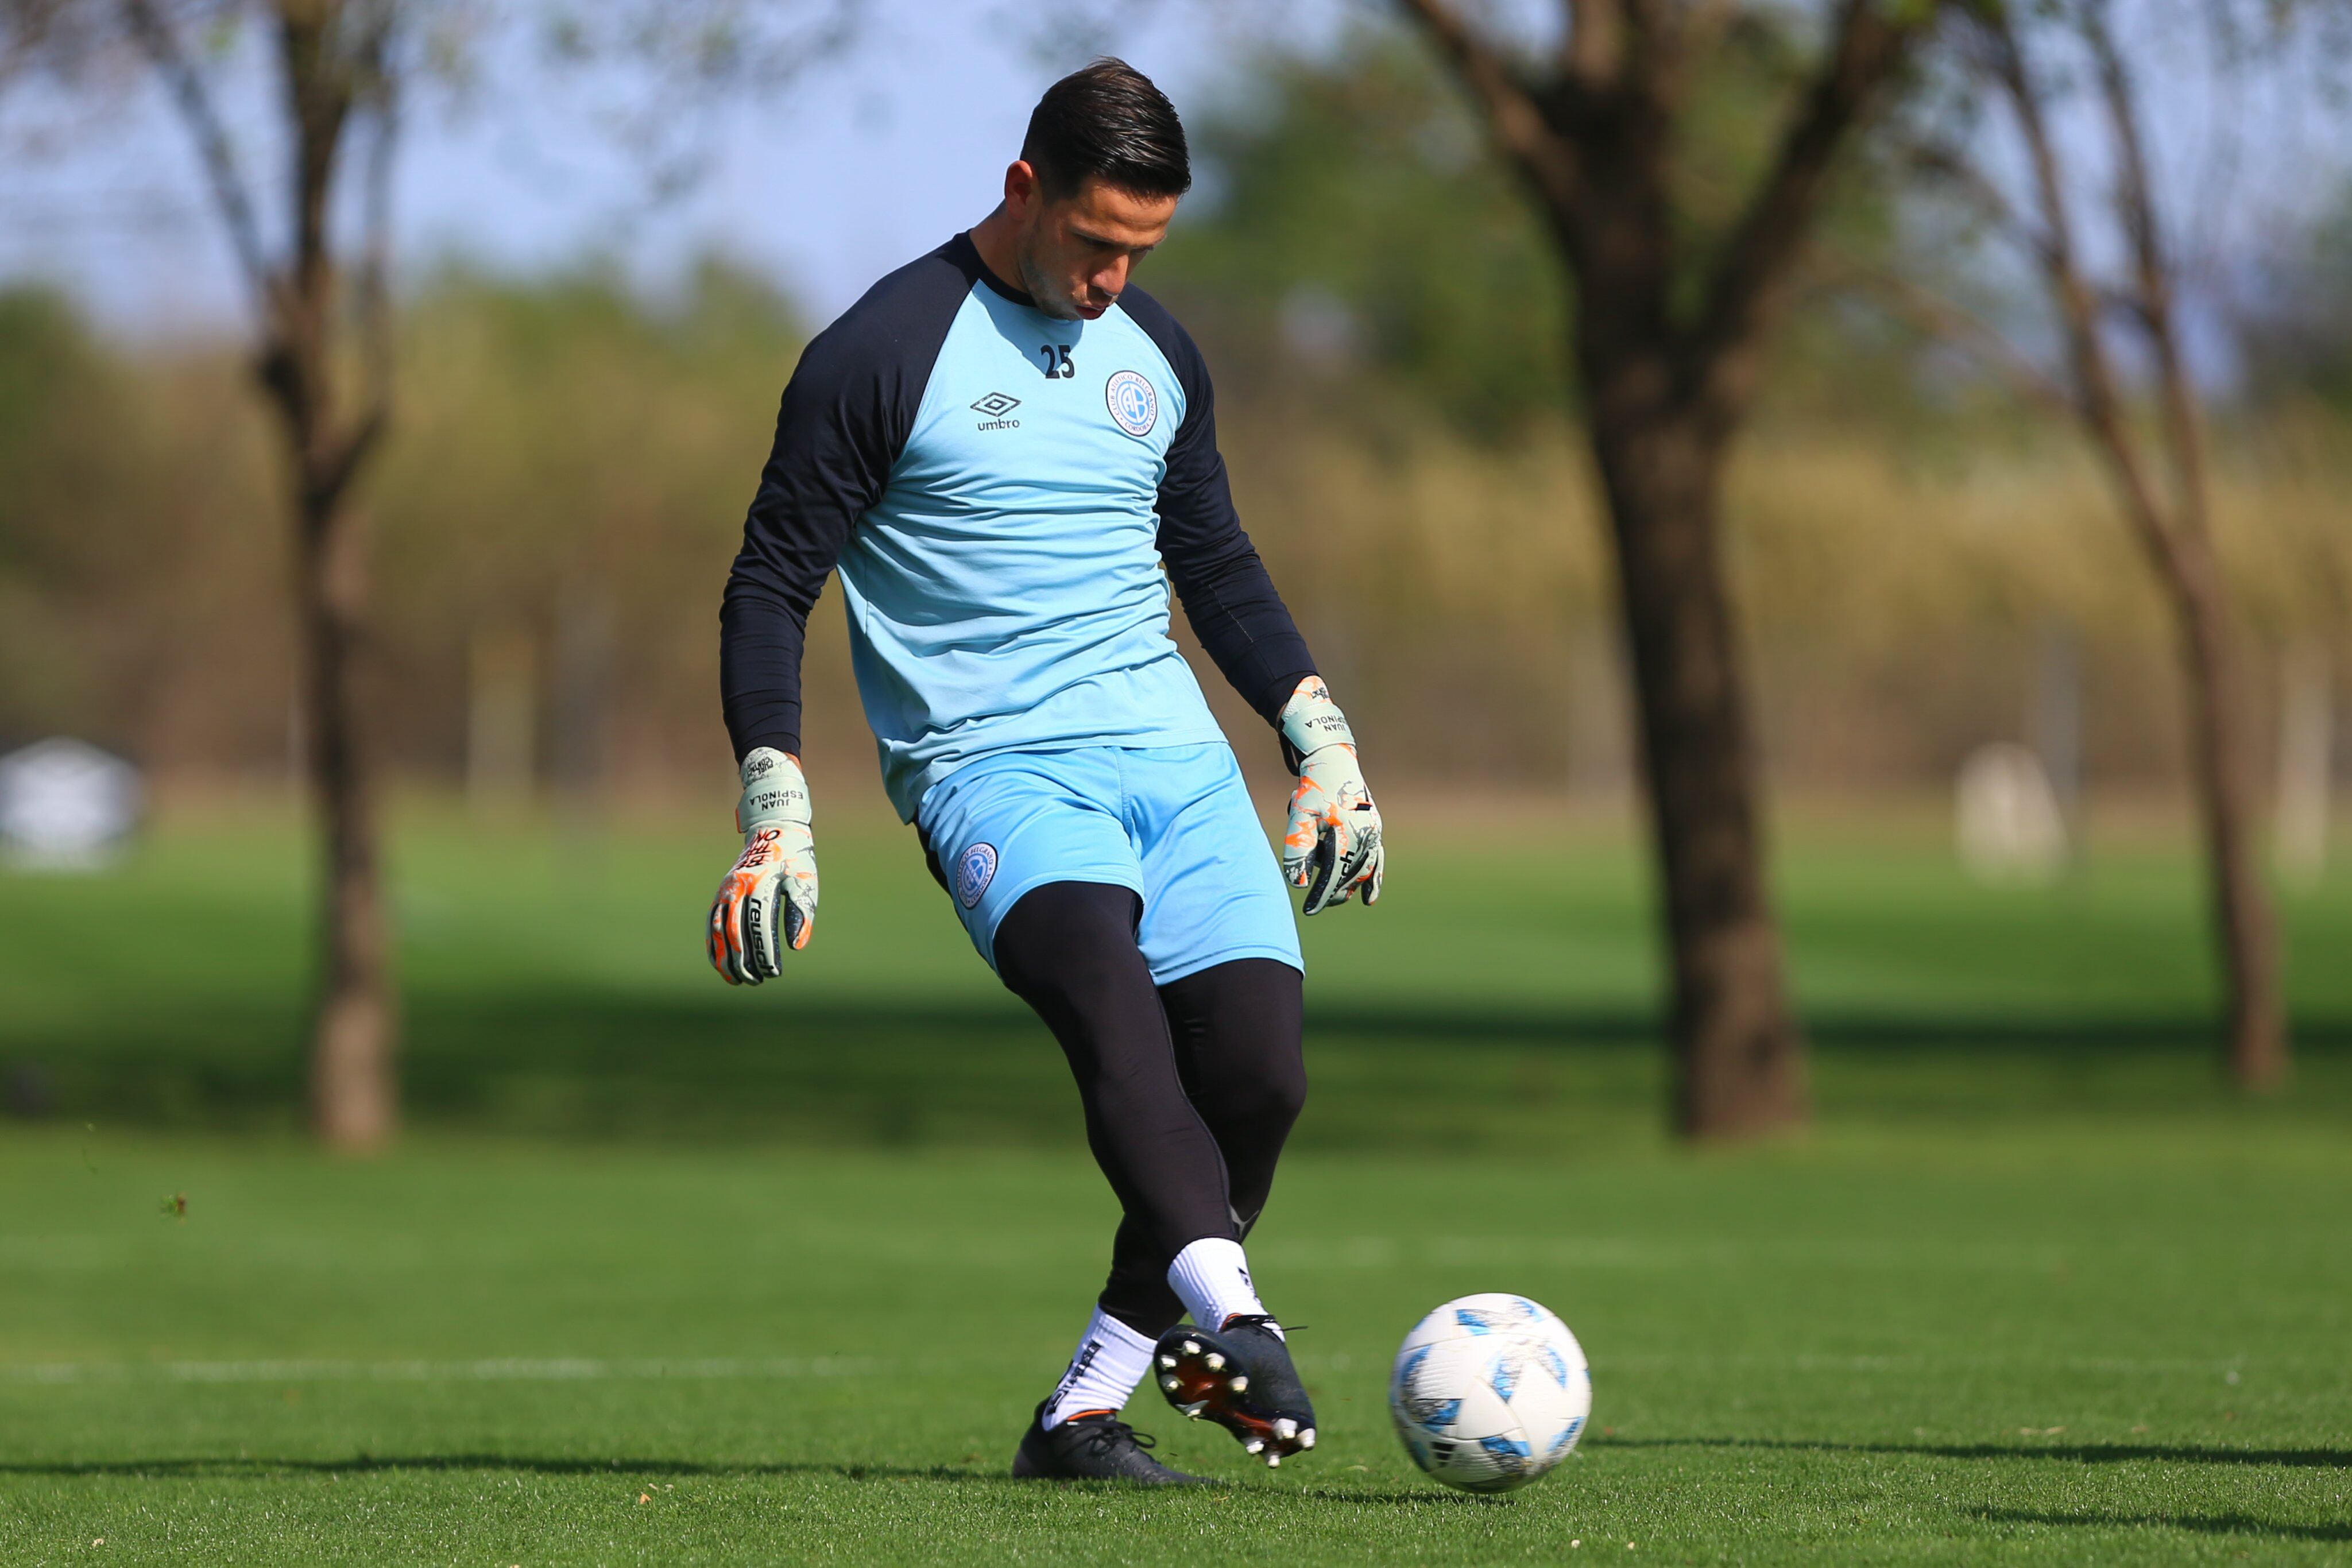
(1110, 1360)
(1212, 1278)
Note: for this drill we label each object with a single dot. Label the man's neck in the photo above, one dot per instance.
(992, 237)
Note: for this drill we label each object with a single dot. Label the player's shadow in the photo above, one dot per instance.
(2078, 1453)
(2199, 1523)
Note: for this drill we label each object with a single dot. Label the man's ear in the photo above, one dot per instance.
(1022, 188)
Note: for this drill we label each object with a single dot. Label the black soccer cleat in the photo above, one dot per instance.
(1239, 1376)
(1094, 1447)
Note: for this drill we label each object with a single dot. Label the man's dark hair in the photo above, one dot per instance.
(1107, 123)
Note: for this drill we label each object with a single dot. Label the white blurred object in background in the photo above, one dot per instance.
(66, 805)
(2010, 827)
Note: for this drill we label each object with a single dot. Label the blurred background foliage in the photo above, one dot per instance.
(1349, 221)
(565, 488)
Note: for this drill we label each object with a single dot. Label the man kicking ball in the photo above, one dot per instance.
(1000, 448)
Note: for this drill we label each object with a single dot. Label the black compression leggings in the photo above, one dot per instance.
(1188, 1088)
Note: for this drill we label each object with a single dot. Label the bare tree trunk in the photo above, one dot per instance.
(1739, 1055)
(2221, 759)
(353, 1088)
(334, 59)
(354, 1096)
(2171, 520)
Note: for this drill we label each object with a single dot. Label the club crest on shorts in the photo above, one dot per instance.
(1133, 402)
(975, 868)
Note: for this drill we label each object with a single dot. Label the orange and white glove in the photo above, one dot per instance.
(767, 902)
(1333, 846)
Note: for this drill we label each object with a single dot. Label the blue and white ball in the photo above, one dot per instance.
(1489, 1391)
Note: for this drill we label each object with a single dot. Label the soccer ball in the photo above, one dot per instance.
(1489, 1391)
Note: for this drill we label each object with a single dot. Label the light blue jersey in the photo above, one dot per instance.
(1000, 490)
(1005, 593)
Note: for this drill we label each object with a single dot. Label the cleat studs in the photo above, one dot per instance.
(1255, 1445)
(1193, 1409)
(1170, 1385)
(1168, 1361)
(1273, 1461)
(1307, 1439)
(1285, 1429)
(1192, 1347)
(1216, 1362)
(1240, 1385)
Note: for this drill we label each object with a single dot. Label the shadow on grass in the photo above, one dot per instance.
(643, 1022)
(885, 1072)
(249, 1468)
(2199, 1523)
(2077, 1453)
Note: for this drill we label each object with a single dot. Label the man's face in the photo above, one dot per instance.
(1077, 253)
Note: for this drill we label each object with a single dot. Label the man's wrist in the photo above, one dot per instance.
(1310, 721)
(775, 789)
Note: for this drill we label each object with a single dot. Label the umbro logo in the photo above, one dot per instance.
(992, 410)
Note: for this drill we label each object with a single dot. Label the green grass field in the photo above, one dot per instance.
(667, 1273)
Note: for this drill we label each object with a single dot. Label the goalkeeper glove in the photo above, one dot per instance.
(767, 902)
(1333, 846)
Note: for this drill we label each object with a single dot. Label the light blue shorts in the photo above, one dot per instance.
(1173, 823)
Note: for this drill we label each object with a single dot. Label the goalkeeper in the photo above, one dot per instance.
(1000, 448)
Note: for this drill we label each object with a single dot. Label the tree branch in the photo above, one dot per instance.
(1513, 112)
(1991, 202)
(1949, 322)
(1865, 50)
(319, 89)
(380, 95)
(2152, 269)
(1595, 46)
(2097, 397)
(25, 32)
(188, 88)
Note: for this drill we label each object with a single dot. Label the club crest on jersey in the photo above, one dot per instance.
(975, 868)
(1133, 402)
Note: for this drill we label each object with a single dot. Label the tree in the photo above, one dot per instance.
(2033, 62)
(321, 355)
(1673, 327)
(321, 348)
